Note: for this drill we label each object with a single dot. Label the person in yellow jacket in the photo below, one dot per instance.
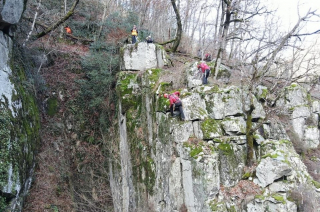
(134, 33)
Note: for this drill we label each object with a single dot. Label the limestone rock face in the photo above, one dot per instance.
(198, 165)
(6, 88)
(194, 107)
(295, 96)
(143, 56)
(234, 126)
(19, 118)
(304, 118)
(272, 205)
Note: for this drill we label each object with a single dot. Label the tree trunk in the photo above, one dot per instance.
(179, 30)
(223, 42)
(186, 19)
(216, 35)
(249, 137)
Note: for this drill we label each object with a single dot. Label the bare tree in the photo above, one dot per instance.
(264, 57)
(229, 10)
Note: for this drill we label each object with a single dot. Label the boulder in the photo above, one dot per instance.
(194, 107)
(234, 125)
(11, 12)
(143, 56)
(270, 169)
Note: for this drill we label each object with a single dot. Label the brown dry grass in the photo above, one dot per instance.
(176, 72)
(51, 187)
(312, 160)
(241, 193)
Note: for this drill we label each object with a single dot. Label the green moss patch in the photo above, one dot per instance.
(196, 148)
(211, 128)
(164, 87)
(162, 104)
(246, 175)
(261, 197)
(5, 151)
(150, 178)
(226, 149)
(126, 86)
(125, 83)
(316, 184)
(153, 76)
(52, 106)
(278, 198)
(195, 151)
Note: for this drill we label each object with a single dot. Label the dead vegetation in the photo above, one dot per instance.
(242, 193)
(66, 177)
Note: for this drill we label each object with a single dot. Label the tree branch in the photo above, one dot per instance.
(306, 34)
(166, 42)
(46, 27)
(62, 20)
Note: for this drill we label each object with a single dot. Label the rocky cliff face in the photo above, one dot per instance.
(200, 164)
(19, 117)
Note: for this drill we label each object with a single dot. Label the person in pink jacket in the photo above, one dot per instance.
(175, 103)
(205, 70)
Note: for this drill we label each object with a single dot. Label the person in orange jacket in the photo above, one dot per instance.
(205, 70)
(68, 30)
(175, 102)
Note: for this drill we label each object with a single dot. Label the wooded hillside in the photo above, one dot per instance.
(73, 75)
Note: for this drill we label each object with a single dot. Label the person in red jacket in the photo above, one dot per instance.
(175, 103)
(207, 57)
(205, 70)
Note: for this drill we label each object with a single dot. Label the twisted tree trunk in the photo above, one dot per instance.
(179, 30)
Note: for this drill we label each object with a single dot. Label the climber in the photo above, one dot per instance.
(205, 70)
(134, 33)
(68, 30)
(175, 103)
(207, 57)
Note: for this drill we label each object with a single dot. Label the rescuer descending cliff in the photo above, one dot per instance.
(175, 103)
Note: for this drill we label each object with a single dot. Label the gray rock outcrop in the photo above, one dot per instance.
(11, 11)
(143, 56)
(199, 164)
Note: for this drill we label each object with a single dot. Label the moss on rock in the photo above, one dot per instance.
(128, 88)
(211, 128)
(226, 148)
(5, 147)
(19, 134)
(150, 177)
